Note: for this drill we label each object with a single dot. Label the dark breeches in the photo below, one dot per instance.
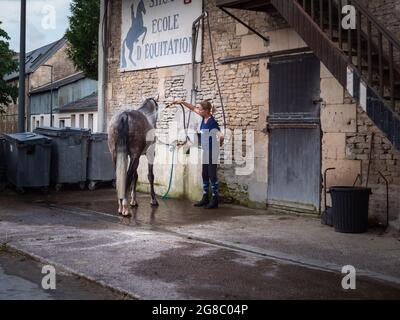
(209, 173)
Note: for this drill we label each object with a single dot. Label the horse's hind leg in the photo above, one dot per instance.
(151, 180)
(133, 194)
(121, 181)
(123, 207)
(134, 176)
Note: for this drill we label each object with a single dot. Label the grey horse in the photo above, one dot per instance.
(130, 135)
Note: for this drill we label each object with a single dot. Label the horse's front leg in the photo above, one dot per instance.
(151, 180)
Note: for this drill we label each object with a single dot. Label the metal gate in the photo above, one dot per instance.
(294, 163)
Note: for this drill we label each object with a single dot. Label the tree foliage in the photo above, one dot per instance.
(83, 36)
(8, 64)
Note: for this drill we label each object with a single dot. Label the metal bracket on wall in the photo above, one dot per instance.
(266, 39)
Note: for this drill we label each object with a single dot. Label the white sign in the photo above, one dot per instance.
(158, 33)
(363, 96)
(350, 81)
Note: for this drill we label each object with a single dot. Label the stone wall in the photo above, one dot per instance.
(346, 146)
(9, 120)
(244, 89)
(384, 159)
(387, 12)
(245, 92)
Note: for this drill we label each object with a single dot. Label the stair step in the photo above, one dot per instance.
(389, 98)
(325, 27)
(387, 82)
(375, 70)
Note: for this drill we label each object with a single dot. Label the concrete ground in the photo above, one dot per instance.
(21, 277)
(177, 251)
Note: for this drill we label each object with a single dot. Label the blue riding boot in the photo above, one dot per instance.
(214, 201)
(205, 200)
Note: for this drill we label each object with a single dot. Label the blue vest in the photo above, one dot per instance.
(208, 135)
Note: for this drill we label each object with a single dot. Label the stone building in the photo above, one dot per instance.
(72, 91)
(303, 114)
(37, 74)
(74, 103)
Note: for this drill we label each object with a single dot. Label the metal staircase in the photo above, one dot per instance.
(365, 60)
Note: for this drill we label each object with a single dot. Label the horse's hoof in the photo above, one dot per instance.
(154, 203)
(134, 204)
(126, 212)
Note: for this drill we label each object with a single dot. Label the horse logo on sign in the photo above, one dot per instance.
(136, 30)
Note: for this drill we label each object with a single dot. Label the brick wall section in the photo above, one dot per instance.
(124, 89)
(346, 146)
(63, 67)
(387, 12)
(9, 120)
(384, 159)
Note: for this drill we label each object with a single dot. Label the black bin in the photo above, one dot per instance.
(69, 154)
(28, 160)
(350, 208)
(100, 166)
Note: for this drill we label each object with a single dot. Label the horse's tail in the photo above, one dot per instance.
(122, 155)
(123, 59)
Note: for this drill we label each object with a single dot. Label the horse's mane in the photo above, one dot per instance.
(149, 110)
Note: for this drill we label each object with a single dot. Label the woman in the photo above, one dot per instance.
(209, 131)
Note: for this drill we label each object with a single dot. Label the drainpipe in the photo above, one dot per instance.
(194, 48)
(28, 111)
(22, 51)
(101, 110)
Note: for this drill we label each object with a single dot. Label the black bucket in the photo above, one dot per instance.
(350, 209)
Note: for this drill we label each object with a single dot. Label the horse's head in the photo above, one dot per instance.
(141, 8)
(150, 109)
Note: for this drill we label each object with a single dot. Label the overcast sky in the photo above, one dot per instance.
(47, 21)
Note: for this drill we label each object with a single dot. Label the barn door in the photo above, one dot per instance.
(294, 167)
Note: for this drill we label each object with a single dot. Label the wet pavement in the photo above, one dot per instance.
(21, 278)
(180, 252)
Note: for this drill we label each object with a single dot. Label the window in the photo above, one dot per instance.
(73, 121)
(52, 120)
(41, 121)
(62, 123)
(37, 123)
(90, 121)
(33, 123)
(81, 121)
